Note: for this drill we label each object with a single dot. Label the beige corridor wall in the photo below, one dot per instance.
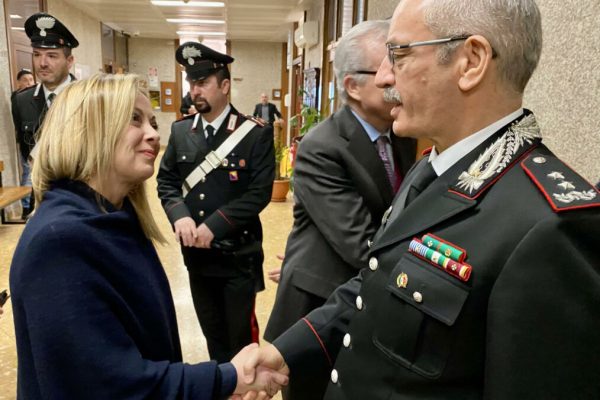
(381, 9)
(565, 90)
(256, 69)
(145, 53)
(87, 31)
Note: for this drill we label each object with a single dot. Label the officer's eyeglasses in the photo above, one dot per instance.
(393, 48)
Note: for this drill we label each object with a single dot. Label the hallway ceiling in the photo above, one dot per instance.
(256, 20)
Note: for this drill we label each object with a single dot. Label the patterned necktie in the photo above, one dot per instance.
(424, 176)
(210, 135)
(51, 97)
(382, 144)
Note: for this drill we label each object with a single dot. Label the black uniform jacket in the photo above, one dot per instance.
(230, 198)
(28, 110)
(523, 326)
(341, 191)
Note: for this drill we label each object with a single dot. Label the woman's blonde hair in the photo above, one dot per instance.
(80, 134)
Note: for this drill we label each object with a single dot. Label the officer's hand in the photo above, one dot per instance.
(204, 237)
(185, 231)
(192, 110)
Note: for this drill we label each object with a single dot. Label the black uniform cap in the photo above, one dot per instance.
(200, 61)
(47, 32)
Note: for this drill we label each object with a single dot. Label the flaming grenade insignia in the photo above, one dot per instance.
(44, 23)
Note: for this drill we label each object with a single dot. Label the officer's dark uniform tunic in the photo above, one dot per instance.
(29, 106)
(228, 201)
(524, 325)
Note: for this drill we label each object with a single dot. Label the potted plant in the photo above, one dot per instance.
(281, 185)
(308, 117)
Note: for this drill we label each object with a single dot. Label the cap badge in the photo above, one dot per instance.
(44, 23)
(189, 53)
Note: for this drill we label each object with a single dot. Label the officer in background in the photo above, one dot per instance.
(482, 282)
(52, 59)
(216, 176)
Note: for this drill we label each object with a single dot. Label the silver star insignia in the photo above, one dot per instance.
(556, 175)
(566, 185)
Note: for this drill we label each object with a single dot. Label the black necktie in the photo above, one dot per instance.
(210, 135)
(51, 97)
(424, 176)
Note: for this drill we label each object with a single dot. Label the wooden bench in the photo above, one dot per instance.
(9, 195)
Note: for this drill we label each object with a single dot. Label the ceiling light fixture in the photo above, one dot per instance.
(195, 21)
(16, 28)
(165, 3)
(15, 16)
(188, 33)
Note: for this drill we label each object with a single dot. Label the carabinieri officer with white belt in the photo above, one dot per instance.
(215, 178)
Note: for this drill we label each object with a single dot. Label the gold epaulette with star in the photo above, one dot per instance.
(564, 188)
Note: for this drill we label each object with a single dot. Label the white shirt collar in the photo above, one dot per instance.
(443, 161)
(57, 89)
(217, 122)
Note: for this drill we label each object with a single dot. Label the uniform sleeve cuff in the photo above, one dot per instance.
(219, 224)
(177, 211)
(228, 380)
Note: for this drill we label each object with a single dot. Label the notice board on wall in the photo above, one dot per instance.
(167, 96)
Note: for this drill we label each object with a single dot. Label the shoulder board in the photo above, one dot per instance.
(189, 116)
(255, 120)
(563, 188)
(26, 90)
(427, 151)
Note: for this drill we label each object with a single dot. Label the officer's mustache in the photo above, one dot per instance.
(391, 95)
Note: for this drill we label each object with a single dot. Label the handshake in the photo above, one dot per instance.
(261, 372)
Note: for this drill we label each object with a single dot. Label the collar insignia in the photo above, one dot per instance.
(499, 155)
(44, 23)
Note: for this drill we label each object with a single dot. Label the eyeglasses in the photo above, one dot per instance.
(393, 47)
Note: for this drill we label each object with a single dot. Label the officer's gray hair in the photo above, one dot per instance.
(513, 28)
(351, 49)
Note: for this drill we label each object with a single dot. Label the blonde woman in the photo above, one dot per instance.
(94, 316)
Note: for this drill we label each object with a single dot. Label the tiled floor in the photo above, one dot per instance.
(277, 222)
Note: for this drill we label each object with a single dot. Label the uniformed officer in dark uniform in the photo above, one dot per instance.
(215, 178)
(52, 44)
(483, 281)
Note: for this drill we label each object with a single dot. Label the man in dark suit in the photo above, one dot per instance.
(266, 111)
(482, 281)
(52, 43)
(341, 188)
(212, 190)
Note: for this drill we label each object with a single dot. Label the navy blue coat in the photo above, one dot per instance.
(94, 315)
